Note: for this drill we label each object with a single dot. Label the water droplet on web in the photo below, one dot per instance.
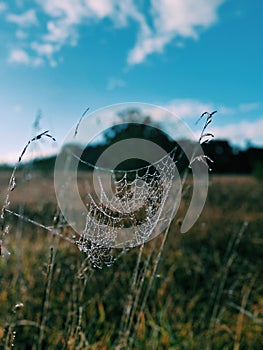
(13, 184)
(4, 253)
(18, 306)
(6, 230)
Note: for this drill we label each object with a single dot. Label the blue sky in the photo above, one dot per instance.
(62, 56)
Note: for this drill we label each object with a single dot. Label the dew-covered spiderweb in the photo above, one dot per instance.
(128, 214)
(110, 206)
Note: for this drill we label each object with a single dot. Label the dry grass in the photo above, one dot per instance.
(207, 292)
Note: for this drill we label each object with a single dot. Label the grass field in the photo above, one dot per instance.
(203, 290)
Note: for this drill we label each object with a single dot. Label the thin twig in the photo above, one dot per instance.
(80, 120)
(240, 318)
(12, 180)
(230, 256)
(45, 305)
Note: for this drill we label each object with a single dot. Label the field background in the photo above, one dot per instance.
(207, 291)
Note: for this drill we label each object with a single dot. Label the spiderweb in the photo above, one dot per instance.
(126, 208)
(132, 211)
(135, 207)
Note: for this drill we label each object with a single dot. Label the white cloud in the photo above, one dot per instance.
(225, 110)
(114, 83)
(240, 132)
(11, 158)
(3, 7)
(243, 108)
(25, 19)
(193, 108)
(249, 107)
(59, 32)
(46, 50)
(64, 19)
(20, 56)
(174, 19)
(165, 21)
(184, 17)
(146, 46)
(70, 11)
(74, 12)
(43, 49)
(20, 34)
(100, 9)
(189, 109)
